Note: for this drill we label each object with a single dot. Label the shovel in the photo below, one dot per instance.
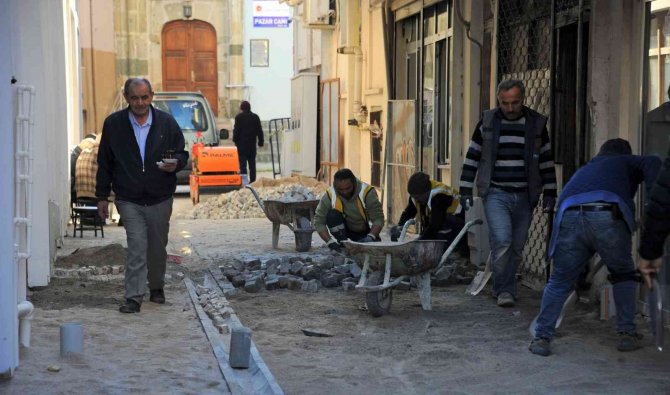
(480, 280)
(655, 301)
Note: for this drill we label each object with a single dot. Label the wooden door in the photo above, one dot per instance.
(189, 59)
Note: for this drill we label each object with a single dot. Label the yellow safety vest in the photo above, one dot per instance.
(437, 188)
(336, 201)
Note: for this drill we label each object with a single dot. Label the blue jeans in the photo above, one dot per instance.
(508, 215)
(581, 235)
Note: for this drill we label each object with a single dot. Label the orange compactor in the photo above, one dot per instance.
(215, 167)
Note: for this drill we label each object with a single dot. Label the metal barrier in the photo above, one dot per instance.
(274, 127)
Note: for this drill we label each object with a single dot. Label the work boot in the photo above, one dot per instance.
(131, 306)
(629, 341)
(157, 296)
(540, 346)
(505, 299)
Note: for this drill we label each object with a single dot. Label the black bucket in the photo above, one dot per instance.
(303, 239)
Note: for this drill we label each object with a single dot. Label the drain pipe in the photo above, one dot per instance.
(358, 69)
(25, 310)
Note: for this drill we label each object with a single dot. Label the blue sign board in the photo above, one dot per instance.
(271, 21)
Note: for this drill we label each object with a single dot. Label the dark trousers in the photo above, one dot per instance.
(337, 227)
(251, 159)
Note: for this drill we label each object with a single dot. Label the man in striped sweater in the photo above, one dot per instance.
(511, 162)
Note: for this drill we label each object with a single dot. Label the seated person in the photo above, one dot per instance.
(438, 214)
(350, 209)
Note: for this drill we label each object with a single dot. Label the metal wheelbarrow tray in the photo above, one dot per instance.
(297, 216)
(401, 260)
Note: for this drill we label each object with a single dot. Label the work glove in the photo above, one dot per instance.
(367, 239)
(466, 202)
(335, 245)
(548, 203)
(395, 233)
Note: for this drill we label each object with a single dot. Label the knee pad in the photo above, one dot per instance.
(335, 224)
(626, 276)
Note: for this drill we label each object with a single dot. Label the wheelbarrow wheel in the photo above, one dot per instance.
(378, 302)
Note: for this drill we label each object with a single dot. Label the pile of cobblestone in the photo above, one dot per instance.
(301, 273)
(242, 204)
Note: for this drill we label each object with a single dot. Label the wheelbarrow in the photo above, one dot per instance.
(386, 264)
(297, 216)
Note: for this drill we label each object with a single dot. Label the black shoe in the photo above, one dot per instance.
(157, 296)
(629, 341)
(540, 346)
(131, 306)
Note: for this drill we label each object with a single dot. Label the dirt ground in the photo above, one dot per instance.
(464, 345)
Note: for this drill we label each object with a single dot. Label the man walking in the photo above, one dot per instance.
(350, 209)
(134, 143)
(246, 131)
(511, 162)
(596, 214)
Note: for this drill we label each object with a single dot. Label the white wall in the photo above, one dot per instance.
(8, 271)
(269, 88)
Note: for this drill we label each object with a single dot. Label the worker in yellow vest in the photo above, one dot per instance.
(436, 208)
(350, 209)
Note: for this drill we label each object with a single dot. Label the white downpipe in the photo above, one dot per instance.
(25, 310)
(356, 102)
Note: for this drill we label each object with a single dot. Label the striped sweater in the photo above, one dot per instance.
(509, 170)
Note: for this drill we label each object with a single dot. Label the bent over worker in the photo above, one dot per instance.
(438, 213)
(596, 214)
(350, 209)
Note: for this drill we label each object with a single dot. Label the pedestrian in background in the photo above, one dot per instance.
(140, 152)
(246, 132)
(511, 162)
(596, 214)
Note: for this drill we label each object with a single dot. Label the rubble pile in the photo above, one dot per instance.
(242, 204)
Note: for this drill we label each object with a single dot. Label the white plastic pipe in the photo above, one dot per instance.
(25, 310)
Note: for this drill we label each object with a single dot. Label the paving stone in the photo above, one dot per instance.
(295, 283)
(284, 267)
(347, 286)
(338, 260)
(355, 270)
(342, 269)
(296, 267)
(332, 280)
(240, 347)
(252, 264)
(230, 272)
(239, 265)
(239, 280)
(307, 259)
(325, 264)
(283, 281)
(254, 284)
(311, 286)
(294, 259)
(272, 285)
(310, 272)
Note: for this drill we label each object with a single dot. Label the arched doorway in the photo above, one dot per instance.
(189, 59)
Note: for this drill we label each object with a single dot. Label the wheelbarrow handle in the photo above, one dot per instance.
(454, 243)
(258, 198)
(404, 229)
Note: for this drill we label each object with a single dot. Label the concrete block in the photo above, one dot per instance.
(240, 347)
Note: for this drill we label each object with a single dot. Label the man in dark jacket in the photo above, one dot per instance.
(246, 131)
(511, 162)
(140, 152)
(596, 214)
(656, 226)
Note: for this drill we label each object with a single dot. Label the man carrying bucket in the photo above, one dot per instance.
(350, 209)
